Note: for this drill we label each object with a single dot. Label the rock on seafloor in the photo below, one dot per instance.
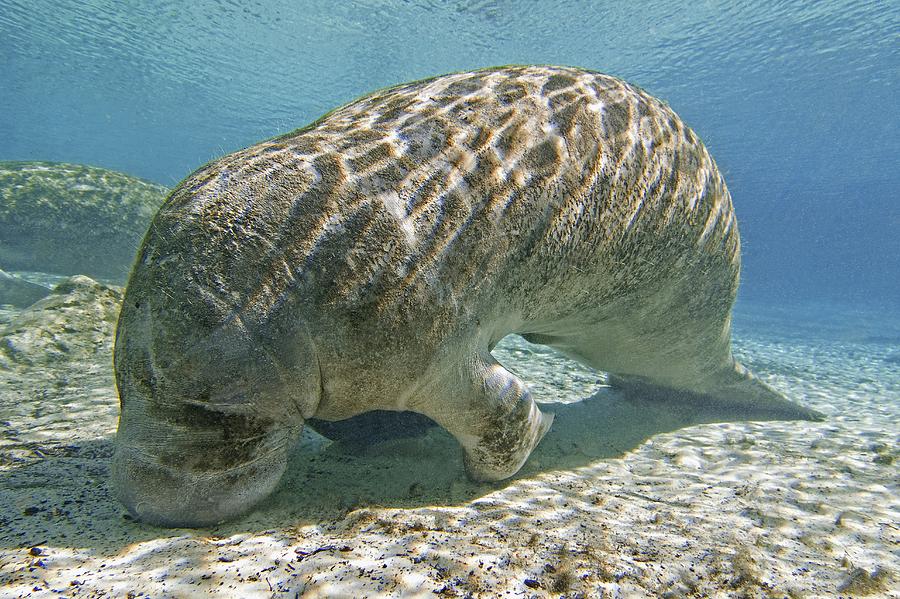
(73, 219)
(75, 321)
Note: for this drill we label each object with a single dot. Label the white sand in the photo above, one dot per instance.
(616, 502)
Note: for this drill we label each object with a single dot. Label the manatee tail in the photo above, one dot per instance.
(734, 393)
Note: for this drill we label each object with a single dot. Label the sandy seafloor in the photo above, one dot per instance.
(620, 499)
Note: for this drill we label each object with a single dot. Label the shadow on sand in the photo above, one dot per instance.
(62, 497)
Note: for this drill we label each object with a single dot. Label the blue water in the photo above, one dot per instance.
(797, 101)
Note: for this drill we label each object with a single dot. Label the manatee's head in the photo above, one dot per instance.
(214, 376)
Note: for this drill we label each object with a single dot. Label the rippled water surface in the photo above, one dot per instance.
(796, 100)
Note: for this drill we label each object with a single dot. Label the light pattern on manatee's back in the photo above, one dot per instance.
(371, 261)
(420, 193)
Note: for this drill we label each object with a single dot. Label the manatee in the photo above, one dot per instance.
(73, 219)
(372, 259)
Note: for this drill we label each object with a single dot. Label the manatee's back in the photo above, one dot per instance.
(548, 201)
(502, 183)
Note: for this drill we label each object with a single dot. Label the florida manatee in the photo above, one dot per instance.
(371, 260)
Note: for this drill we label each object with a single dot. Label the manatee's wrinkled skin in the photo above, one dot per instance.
(371, 260)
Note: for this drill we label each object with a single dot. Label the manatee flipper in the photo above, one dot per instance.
(492, 415)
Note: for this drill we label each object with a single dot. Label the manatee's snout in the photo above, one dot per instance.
(198, 442)
(208, 410)
(173, 495)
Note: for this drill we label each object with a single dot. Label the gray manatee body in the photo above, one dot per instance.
(371, 260)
